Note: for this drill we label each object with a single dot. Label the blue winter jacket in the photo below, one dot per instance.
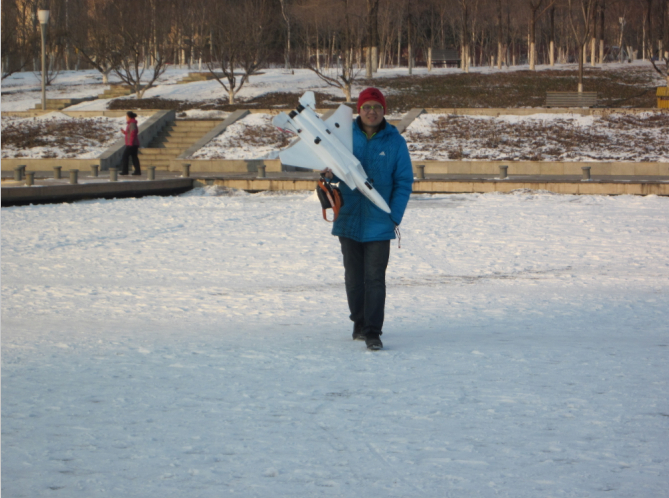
(385, 159)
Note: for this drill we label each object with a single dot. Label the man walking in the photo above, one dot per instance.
(364, 230)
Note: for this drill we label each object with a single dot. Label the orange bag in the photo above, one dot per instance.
(330, 198)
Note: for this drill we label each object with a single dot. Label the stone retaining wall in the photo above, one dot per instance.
(147, 131)
(80, 114)
(452, 187)
(538, 168)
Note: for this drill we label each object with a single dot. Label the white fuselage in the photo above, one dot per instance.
(334, 155)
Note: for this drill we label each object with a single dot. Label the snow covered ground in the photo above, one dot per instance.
(58, 135)
(537, 137)
(568, 138)
(199, 346)
(253, 137)
(21, 91)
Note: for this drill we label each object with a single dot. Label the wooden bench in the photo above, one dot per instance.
(445, 57)
(571, 99)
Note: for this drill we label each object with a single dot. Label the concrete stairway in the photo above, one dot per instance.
(58, 104)
(172, 140)
(116, 91)
(197, 77)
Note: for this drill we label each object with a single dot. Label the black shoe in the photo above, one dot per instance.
(137, 173)
(358, 334)
(373, 342)
(123, 174)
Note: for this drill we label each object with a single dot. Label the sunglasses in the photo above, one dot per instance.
(368, 107)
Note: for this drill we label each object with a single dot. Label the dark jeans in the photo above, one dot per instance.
(128, 152)
(365, 266)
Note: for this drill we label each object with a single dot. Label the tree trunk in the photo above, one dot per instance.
(532, 39)
(399, 44)
(585, 53)
(410, 54)
(551, 49)
(465, 36)
(409, 40)
(602, 5)
(581, 57)
(593, 57)
(375, 37)
(500, 34)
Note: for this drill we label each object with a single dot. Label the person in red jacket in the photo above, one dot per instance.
(131, 133)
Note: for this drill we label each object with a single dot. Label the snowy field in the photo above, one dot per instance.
(58, 135)
(541, 137)
(253, 137)
(444, 137)
(22, 91)
(199, 346)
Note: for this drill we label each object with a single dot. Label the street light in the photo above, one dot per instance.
(43, 16)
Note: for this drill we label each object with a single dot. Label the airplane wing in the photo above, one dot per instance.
(341, 125)
(300, 156)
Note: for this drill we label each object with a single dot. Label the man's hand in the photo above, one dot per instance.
(327, 172)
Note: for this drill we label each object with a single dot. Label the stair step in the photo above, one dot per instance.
(174, 143)
(153, 157)
(177, 137)
(158, 157)
(178, 140)
(185, 131)
(198, 122)
(160, 151)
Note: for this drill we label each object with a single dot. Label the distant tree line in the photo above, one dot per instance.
(340, 40)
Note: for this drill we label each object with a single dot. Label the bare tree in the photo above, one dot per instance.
(95, 36)
(535, 13)
(601, 11)
(663, 46)
(194, 16)
(241, 34)
(464, 36)
(500, 34)
(386, 31)
(348, 31)
(286, 19)
(581, 25)
(20, 36)
(372, 37)
(141, 25)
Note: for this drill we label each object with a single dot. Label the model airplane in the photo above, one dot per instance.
(326, 144)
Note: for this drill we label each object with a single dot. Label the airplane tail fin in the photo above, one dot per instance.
(282, 121)
(308, 100)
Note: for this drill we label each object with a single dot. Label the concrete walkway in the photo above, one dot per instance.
(48, 189)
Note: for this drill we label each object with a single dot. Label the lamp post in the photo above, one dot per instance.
(43, 16)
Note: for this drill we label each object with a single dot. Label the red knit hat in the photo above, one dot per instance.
(371, 94)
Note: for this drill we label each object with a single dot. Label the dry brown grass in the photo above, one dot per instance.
(71, 136)
(261, 136)
(625, 87)
(614, 136)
